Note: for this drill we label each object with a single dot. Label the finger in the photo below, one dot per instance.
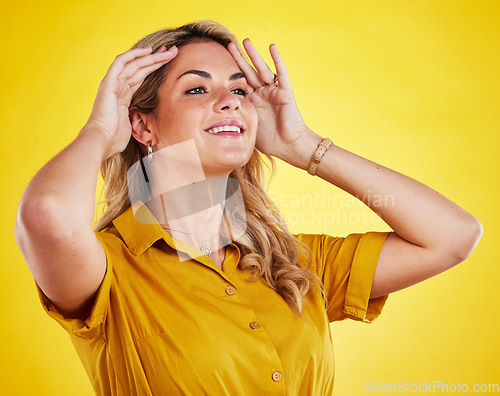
(129, 59)
(143, 72)
(263, 71)
(134, 87)
(139, 77)
(155, 61)
(281, 71)
(250, 73)
(121, 60)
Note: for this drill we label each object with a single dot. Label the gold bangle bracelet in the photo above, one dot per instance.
(316, 158)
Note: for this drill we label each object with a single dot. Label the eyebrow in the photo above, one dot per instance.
(207, 75)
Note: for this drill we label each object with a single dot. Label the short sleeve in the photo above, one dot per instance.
(93, 327)
(346, 267)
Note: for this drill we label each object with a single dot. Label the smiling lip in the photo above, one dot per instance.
(226, 127)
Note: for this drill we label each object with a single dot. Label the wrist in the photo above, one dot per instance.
(101, 142)
(318, 155)
(300, 152)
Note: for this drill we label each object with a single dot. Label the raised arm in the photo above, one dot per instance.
(54, 221)
(431, 233)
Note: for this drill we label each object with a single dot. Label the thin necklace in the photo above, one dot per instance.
(204, 247)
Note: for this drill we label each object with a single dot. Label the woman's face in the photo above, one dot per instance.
(204, 98)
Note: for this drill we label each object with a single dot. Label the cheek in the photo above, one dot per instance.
(181, 119)
(252, 116)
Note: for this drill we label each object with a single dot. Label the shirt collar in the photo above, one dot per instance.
(141, 235)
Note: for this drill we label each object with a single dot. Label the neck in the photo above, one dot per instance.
(194, 215)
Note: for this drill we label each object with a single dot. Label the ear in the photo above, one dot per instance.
(141, 127)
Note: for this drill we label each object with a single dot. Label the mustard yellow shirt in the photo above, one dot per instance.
(162, 326)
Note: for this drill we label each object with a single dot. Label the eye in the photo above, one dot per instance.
(196, 91)
(239, 91)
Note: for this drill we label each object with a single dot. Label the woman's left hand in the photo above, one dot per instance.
(281, 126)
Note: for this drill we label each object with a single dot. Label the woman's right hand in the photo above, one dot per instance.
(110, 112)
(54, 223)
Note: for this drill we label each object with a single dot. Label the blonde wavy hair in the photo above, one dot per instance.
(268, 249)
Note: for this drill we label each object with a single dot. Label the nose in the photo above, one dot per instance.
(227, 101)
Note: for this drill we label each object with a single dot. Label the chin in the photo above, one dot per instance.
(224, 168)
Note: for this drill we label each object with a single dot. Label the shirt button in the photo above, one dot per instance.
(276, 376)
(230, 290)
(254, 324)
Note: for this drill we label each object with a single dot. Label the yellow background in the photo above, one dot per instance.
(413, 85)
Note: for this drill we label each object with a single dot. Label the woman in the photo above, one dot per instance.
(183, 288)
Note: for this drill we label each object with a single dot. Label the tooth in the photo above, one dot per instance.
(225, 128)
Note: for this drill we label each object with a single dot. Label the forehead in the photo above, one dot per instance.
(202, 55)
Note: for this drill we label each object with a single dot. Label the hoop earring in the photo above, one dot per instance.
(150, 152)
